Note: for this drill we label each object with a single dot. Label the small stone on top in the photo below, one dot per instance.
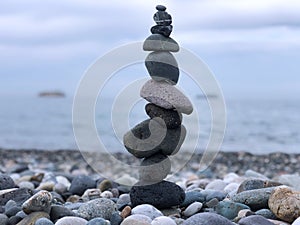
(161, 8)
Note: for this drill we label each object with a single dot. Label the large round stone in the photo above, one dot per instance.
(154, 168)
(161, 195)
(158, 42)
(149, 138)
(166, 96)
(162, 66)
(171, 118)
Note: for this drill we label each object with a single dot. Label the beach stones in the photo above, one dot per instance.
(285, 203)
(6, 182)
(81, 183)
(161, 195)
(207, 219)
(161, 136)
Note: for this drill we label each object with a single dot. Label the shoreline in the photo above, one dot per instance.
(270, 165)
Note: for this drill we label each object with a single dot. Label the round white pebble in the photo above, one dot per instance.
(193, 209)
(163, 220)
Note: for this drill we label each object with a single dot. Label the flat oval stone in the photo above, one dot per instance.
(207, 219)
(163, 30)
(162, 66)
(255, 199)
(162, 18)
(166, 96)
(158, 42)
(149, 138)
(192, 196)
(137, 220)
(40, 202)
(161, 195)
(255, 219)
(267, 213)
(44, 221)
(154, 168)
(6, 182)
(163, 220)
(81, 183)
(192, 209)
(285, 203)
(171, 118)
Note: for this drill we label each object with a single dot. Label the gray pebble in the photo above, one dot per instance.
(255, 220)
(43, 221)
(40, 202)
(158, 42)
(207, 219)
(98, 221)
(71, 220)
(137, 220)
(6, 182)
(192, 209)
(267, 213)
(58, 211)
(229, 209)
(192, 196)
(3, 219)
(81, 183)
(147, 210)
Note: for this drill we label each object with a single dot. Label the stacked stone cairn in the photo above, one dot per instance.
(161, 136)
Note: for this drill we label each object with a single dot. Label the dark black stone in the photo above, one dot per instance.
(81, 183)
(19, 195)
(6, 182)
(162, 18)
(172, 118)
(14, 220)
(161, 8)
(139, 143)
(161, 195)
(162, 66)
(116, 219)
(58, 212)
(164, 30)
(158, 42)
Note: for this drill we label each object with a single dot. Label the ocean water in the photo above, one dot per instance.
(254, 125)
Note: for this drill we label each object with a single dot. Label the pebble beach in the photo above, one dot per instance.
(58, 187)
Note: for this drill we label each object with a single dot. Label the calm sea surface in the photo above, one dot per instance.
(257, 126)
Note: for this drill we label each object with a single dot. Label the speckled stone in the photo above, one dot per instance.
(267, 213)
(170, 118)
(101, 207)
(207, 219)
(166, 96)
(161, 195)
(71, 220)
(254, 220)
(163, 30)
(154, 168)
(148, 138)
(256, 199)
(40, 202)
(285, 203)
(162, 66)
(158, 42)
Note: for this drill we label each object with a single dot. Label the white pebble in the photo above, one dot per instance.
(193, 209)
(217, 185)
(296, 222)
(147, 210)
(71, 220)
(137, 219)
(63, 180)
(106, 194)
(163, 220)
(231, 187)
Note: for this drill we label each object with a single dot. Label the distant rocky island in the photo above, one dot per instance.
(54, 94)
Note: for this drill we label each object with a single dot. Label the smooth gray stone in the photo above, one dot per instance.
(154, 168)
(158, 42)
(3, 219)
(229, 209)
(161, 8)
(255, 220)
(58, 211)
(101, 207)
(116, 219)
(44, 221)
(207, 219)
(256, 199)
(71, 220)
(251, 184)
(19, 195)
(166, 96)
(81, 183)
(162, 66)
(98, 221)
(161, 195)
(149, 138)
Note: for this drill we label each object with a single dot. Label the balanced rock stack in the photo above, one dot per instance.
(162, 135)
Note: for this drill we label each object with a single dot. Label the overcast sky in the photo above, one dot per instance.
(252, 46)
